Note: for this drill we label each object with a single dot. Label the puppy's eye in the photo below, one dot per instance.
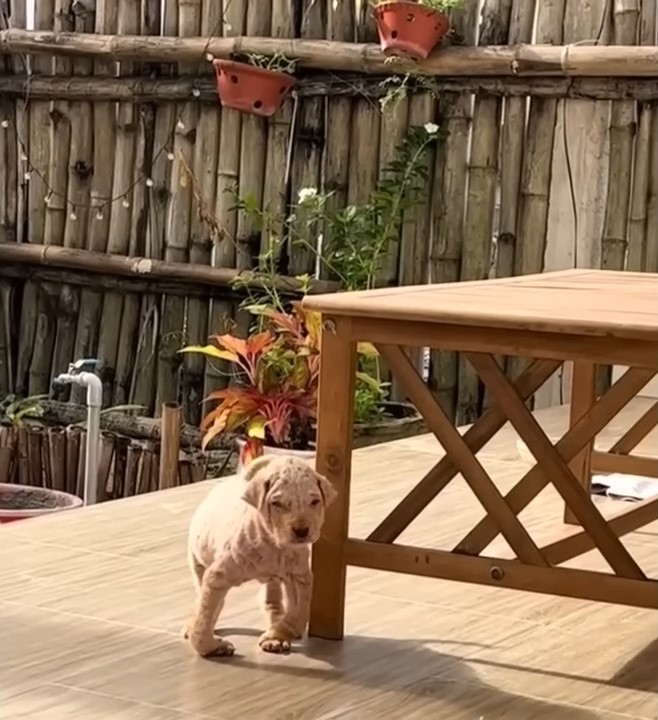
(315, 501)
(277, 504)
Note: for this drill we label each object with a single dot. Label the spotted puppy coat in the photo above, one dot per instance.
(257, 527)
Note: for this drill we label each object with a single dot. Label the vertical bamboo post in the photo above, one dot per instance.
(309, 141)
(163, 119)
(203, 230)
(228, 175)
(178, 222)
(449, 204)
(614, 242)
(536, 170)
(481, 197)
(341, 25)
(414, 242)
(170, 425)
(279, 141)
(97, 226)
(639, 235)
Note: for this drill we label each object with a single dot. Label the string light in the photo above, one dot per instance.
(52, 192)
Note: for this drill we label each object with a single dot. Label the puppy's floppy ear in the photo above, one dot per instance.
(327, 490)
(257, 486)
(255, 466)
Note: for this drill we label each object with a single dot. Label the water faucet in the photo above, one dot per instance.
(81, 372)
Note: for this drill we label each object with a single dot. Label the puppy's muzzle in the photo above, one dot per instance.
(300, 534)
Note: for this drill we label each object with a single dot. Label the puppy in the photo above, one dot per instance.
(262, 531)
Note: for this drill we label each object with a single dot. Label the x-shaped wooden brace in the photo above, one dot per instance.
(476, 437)
(465, 461)
(553, 461)
(502, 516)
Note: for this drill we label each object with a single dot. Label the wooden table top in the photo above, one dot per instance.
(578, 301)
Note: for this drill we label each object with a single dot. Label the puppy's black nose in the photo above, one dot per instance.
(300, 532)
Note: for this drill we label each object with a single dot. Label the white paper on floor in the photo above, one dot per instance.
(627, 487)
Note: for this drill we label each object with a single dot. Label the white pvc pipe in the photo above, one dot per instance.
(94, 400)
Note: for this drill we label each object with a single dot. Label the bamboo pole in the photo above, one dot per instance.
(614, 242)
(481, 197)
(448, 207)
(521, 60)
(253, 152)
(536, 170)
(223, 254)
(139, 267)
(638, 226)
(309, 143)
(279, 141)
(97, 228)
(169, 445)
(101, 90)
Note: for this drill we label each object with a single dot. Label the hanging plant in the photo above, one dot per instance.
(413, 28)
(257, 86)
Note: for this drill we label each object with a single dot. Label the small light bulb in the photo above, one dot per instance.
(27, 176)
(99, 215)
(196, 92)
(126, 203)
(180, 125)
(5, 123)
(149, 182)
(24, 157)
(210, 57)
(170, 156)
(73, 216)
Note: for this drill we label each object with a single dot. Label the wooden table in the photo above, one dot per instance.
(588, 317)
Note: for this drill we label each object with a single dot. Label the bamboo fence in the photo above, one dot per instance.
(54, 457)
(117, 100)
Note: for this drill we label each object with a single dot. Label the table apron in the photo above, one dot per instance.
(642, 353)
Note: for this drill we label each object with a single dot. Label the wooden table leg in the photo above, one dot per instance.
(583, 397)
(334, 459)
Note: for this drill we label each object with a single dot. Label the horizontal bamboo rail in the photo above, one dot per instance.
(124, 266)
(519, 60)
(203, 89)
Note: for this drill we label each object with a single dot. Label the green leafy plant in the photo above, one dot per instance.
(13, 409)
(278, 62)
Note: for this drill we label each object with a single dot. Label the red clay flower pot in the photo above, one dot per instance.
(251, 89)
(19, 502)
(410, 28)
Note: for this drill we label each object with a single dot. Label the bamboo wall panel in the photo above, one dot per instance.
(157, 177)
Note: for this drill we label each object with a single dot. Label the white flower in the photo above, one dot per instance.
(431, 128)
(306, 194)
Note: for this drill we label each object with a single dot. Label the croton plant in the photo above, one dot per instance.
(273, 398)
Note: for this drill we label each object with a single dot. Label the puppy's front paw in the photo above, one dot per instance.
(271, 644)
(213, 647)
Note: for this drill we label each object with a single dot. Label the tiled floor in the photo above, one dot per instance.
(91, 606)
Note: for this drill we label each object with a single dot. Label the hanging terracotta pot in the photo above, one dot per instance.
(410, 27)
(251, 89)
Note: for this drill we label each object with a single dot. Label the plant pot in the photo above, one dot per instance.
(19, 502)
(410, 28)
(307, 455)
(400, 420)
(251, 89)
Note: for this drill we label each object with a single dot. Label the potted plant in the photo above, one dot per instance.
(257, 86)
(412, 27)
